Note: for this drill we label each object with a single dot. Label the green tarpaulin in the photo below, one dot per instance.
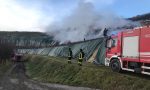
(62, 51)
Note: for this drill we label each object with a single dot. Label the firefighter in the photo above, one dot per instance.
(105, 32)
(81, 56)
(69, 55)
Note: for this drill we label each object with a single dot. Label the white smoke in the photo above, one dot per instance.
(86, 23)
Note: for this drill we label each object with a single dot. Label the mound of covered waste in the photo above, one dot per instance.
(94, 50)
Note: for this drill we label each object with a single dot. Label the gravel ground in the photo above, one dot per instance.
(15, 79)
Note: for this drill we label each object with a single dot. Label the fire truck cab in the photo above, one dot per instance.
(129, 50)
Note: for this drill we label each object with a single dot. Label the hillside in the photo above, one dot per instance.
(141, 17)
(27, 39)
(56, 70)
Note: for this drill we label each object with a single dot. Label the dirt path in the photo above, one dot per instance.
(15, 79)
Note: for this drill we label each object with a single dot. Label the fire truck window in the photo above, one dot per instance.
(114, 42)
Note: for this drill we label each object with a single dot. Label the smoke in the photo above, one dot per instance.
(85, 22)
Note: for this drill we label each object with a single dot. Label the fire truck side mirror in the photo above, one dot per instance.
(108, 43)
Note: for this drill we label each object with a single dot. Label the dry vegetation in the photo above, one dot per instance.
(56, 70)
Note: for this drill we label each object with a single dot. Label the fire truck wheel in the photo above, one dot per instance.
(115, 65)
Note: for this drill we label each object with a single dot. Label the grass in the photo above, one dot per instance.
(56, 70)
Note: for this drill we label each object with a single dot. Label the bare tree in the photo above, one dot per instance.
(6, 50)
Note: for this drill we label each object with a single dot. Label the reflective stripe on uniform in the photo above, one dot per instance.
(80, 56)
(69, 54)
(79, 62)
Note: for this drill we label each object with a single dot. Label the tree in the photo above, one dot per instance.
(6, 50)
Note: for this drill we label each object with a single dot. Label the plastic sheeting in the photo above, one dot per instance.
(100, 57)
(88, 47)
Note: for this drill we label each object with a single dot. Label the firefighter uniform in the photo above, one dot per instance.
(81, 56)
(69, 55)
(105, 32)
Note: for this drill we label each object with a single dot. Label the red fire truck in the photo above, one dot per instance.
(129, 50)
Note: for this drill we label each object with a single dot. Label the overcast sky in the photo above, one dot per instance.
(35, 15)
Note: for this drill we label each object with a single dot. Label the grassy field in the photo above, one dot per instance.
(56, 70)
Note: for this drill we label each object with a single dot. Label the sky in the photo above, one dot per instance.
(36, 15)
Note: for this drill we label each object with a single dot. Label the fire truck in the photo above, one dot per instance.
(129, 50)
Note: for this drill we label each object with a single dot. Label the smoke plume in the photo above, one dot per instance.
(85, 22)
